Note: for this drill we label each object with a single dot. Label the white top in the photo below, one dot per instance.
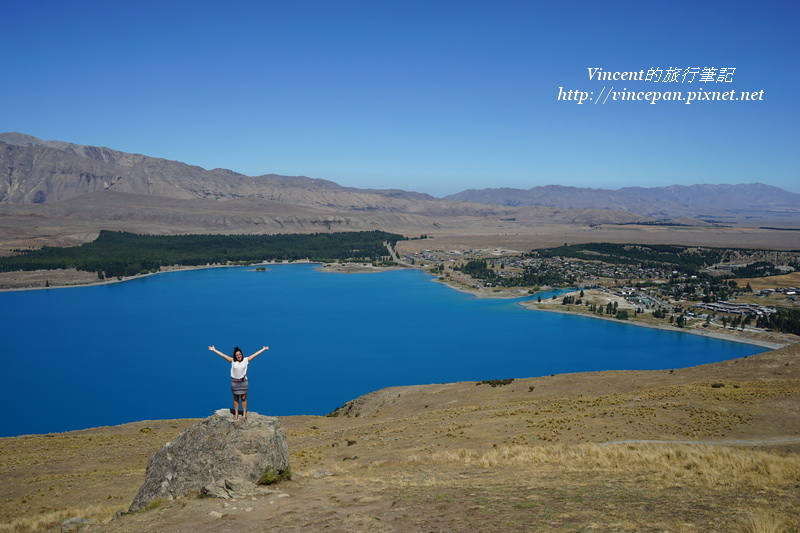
(239, 368)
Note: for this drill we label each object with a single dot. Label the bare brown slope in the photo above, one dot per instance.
(79, 219)
(51, 171)
(464, 456)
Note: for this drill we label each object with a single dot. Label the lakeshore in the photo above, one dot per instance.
(775, 340)
(725, 336)
(65, 278)
(71, 278)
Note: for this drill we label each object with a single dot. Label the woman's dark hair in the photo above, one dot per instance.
(235, 350)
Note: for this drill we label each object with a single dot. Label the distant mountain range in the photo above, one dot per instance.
(668, 202)
(49, 172)
(37, 171)
(61, 174)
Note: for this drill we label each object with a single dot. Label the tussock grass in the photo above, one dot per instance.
(272, 476)
(711, 465)
(761, 521)
(42, 522)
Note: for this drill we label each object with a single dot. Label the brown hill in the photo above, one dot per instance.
(45, 172)
(79, 219)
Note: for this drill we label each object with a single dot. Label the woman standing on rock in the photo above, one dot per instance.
(238, 376)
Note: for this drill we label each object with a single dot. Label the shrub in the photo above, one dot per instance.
(496, 382)
(155, 504)
(273, 476)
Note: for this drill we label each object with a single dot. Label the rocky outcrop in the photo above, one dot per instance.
(235, 488)
(217, 451)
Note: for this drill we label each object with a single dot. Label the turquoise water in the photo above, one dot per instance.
(109, 354)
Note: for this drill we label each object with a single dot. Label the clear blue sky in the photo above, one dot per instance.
(433, 96)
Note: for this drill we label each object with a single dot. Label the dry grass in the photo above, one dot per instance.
(590, 487)
(771, 282)
(761, 521)
(49, 520)
(90, 473)
(666, 463)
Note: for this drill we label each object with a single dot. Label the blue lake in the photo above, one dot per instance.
(109, 354)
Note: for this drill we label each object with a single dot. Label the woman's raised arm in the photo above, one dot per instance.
(226, 357)
(262, 350)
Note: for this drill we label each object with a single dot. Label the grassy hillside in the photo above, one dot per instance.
(709, 448)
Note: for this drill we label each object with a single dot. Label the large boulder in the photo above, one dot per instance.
(211, 451)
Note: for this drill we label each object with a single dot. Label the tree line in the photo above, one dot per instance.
(117, 253)
(681, 258)
(786, 320)
(530, 276)
(688, 260)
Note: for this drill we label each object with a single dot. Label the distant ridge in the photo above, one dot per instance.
(671, 201)
(44, 172)
(75, 176)
(49, 171)
(35, 171)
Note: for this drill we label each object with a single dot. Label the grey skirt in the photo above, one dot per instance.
(239, 387)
